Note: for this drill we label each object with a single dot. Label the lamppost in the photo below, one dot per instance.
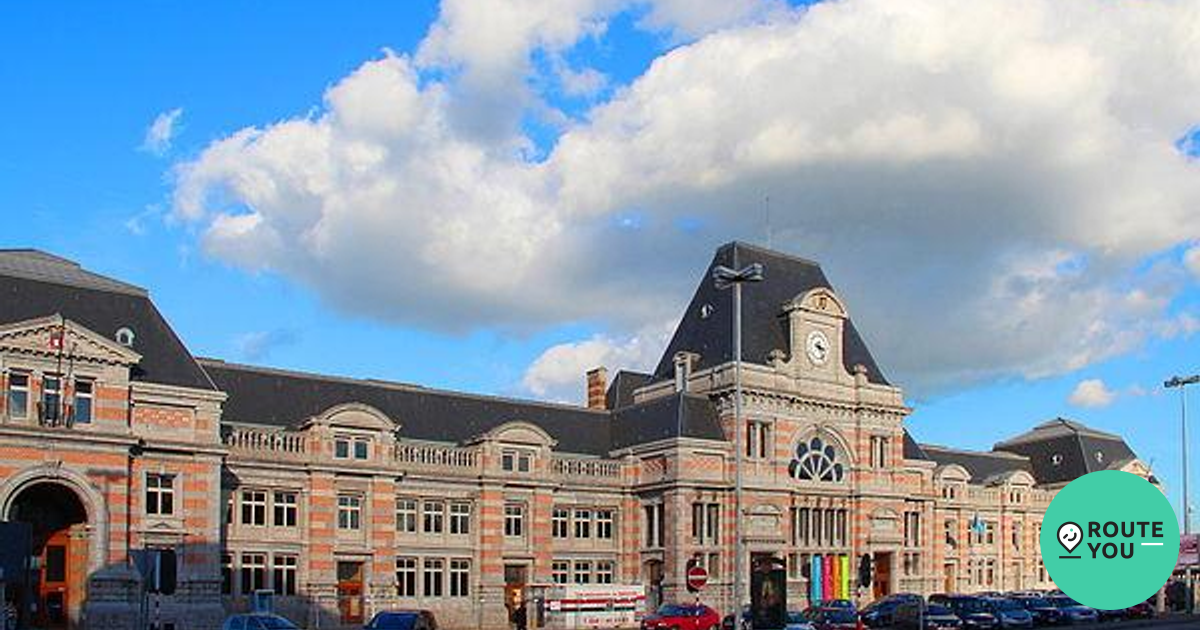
(723, 278)
(1181, 382)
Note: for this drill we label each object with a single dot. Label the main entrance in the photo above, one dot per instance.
(350, 592)
(60, 546)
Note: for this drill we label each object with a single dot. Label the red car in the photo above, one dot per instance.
(682, 617)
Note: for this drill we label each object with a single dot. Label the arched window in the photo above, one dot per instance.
(816, 461)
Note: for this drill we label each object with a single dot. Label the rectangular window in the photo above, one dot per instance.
(254, 507)
(583, 523)
(406, 577)
(341, 448)
(604, 572)
(950, 527)
(802, 527)
(757, 439)
(990, 535)
(362, 448)
(879, 450)
(560, 571)
(434, 577)
(349, 512)
(82, 411)
(160, 494)
(434, 513)
(18, 395)
(283, 574)
(583, 572)
(226, 574)
(1016, 536)
(912, 529)
(460, 577)
(51, 398)
(406, 516)
(516, 461)
(559, 520)
(514, 520)
(712, 524)
(604, 524)
(254, 572)
(460, 518)
(285, 509)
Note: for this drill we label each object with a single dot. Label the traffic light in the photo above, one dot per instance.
(866, 570)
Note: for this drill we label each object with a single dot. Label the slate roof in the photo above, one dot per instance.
(1079, 449)
(913, 450)
(981, 464)
(620, 390)
(680, 414)
(281, 398)
(764, 326)
(35, 284)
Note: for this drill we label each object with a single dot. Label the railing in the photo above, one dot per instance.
(431, 456)
(253, 441)
(586, 468)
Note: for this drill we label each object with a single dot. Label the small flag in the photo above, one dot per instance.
(978, 526)
(56, 339)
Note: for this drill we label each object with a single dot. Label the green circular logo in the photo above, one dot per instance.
(1110, 539)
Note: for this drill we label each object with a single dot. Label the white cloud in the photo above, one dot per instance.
(258, 345)
(982, 180)
(162, 132)
(1092, 393)
(558, 373)
(1192, 259)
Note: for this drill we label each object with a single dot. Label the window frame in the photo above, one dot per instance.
(460, 518)
(247, 569)
(514, 520)
(24, 391)
(407, 515)
(162, 493)
(433, 521)
(459, 571)
(349, 506)
(89, 396)
(253, 508)
(287, 508)
(285, 574)
(407, 575)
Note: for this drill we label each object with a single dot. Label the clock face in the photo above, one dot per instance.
(817, 347)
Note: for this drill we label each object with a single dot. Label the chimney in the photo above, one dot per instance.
(684, 361)
(597, 388)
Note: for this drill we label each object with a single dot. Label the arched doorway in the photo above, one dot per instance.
(60, 544)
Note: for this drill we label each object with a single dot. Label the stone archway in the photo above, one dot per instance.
(59, 525)
(88, 496)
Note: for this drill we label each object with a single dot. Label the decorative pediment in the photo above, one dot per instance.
(55, 336)
(520, 432)
(819, 300)
(952, 472)
(355, 416)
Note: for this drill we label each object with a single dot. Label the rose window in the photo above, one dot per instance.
(816, 461)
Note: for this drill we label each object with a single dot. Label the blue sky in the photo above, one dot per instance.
(1035, 277)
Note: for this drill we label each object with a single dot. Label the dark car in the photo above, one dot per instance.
(1074, 612)
(973, 611)
(257, 621)
(402, 620)
(682, 617)
(727, 622)
(879, 613)
(1144, 610)
(1110, 615)
(837, 603)
(1044, 613)
(831, 618)
(1009, 613)
(916, 615)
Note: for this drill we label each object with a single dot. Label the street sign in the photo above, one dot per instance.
(697, 578)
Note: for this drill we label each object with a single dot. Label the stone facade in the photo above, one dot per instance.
(357, 505)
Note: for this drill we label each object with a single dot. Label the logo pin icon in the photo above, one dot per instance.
(1069, 536)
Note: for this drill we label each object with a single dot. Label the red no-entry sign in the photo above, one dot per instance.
(697, 577)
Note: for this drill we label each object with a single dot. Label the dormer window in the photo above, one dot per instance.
(1099, 457)
(516, 460)
(347, 447)
(125, 337)
(1056, 459)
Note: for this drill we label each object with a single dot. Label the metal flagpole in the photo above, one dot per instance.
(1182, 383)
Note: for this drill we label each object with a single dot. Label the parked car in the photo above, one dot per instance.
(257, 621)
(1110, 615)
(402, 620)
(682, 617)
(973, 611)
(837, 603)
(832, 618)
(1044, 612)
(796, 620)
(1009, 613)
(1074, 612)
(727, 622)
(1144, 610)
(879, 614)
(916, 615)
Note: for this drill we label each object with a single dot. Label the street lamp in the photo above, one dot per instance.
(723, 278)
(1181, 382)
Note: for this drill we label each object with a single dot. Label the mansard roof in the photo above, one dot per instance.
(708, 331)
(281, 398)
(981, 464)
(35, 284)
(1062, 450)
(620, 390)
